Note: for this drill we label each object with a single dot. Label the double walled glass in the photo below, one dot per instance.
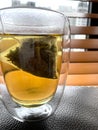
(34, 57)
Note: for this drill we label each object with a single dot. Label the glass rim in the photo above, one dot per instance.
(4, 22)
(40, 8)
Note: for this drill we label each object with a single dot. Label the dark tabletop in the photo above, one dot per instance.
(78, 110)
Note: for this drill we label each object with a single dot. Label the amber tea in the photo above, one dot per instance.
(31, 67)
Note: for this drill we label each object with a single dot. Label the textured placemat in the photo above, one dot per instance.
(78, 110)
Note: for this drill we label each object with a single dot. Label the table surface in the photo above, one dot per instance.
(78, 110)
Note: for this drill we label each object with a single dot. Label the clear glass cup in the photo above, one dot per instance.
(34, 57)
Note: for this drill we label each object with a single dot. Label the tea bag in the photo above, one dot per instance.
(36, 55)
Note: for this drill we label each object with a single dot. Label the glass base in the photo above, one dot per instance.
(33, 114)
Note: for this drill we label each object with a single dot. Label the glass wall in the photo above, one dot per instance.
(64, 6)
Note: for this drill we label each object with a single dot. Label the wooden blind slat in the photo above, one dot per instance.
(82, 80)
(83, 68)
(84, 43)
(84, 30)
(81, 15)
(87, 56)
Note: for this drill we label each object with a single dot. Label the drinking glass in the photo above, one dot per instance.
(34, 58)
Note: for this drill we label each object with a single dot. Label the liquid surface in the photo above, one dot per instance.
(31, 67)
